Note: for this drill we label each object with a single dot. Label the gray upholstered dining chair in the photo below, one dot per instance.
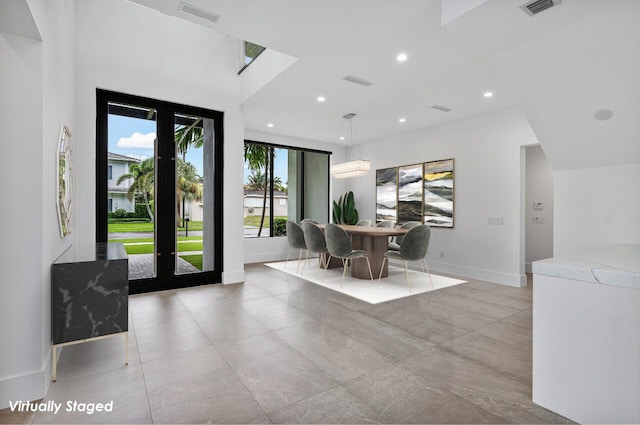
(316, 243)
(309, 220)
(414, 247)
(385, 223)
(364, 222)
(394, 245)
(295, 236)
(339, 245)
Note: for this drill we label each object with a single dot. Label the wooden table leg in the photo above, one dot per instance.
(376, 246)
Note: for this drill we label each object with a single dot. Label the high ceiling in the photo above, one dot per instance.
(453, 65)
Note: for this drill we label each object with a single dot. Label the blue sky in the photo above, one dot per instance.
(135, 137)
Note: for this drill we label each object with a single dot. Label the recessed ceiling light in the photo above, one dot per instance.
(341, 137)
(402, 120)
(488, 94)
(270, 125)
(321, 99)
(402, 57)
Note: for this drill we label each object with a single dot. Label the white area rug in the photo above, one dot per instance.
(387, 289)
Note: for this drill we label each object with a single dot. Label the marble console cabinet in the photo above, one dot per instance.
(90, 294)
(586, 335)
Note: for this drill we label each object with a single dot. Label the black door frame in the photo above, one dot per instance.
(165, 207)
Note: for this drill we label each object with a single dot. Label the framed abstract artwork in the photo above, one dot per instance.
(438, 193)
(410, 192)
(386, 194)
(64, 181)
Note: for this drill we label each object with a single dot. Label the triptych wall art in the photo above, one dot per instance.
(419, 192)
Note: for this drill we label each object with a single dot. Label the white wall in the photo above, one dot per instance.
(595, 207)
(37, 86)
(272, 249)
(539, 189)
(132, 49)
(487, 183)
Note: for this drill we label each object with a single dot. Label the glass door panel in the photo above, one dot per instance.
(194, 176)
(131, 185)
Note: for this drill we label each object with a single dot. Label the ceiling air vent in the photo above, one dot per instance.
(202, 14)
(357, 80)
(537, 6)
(442, 108)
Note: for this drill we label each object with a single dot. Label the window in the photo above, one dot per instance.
(250, 51)
(283, 183)
(110, 173)
(110, 204)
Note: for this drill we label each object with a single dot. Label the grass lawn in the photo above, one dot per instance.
(146, 227)
(195, 260)
(254, 220)
(145, 245)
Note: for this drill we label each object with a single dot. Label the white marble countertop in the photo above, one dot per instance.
(617, 265)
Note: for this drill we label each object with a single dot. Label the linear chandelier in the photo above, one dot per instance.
(353, 168)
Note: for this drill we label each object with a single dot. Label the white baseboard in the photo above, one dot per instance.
(233, 277)
(27, 387)
(508, 279)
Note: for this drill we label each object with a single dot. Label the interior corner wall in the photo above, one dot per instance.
(596, 207)
(37, 85)
(487, 184)
(132, 49)
(539, 219)
(273, 249)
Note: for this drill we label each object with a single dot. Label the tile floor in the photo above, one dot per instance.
(277, 349)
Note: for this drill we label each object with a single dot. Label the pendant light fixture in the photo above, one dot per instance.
(353, 168)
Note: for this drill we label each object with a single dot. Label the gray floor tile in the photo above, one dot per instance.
(273, 372)
(455, 315)
(523, 319)
(155, 304)
(198, 387)
(8, 416)
(502, 356)
(339, 356)
(492, 297)
(273, 313)
(314, 304)
(124, 386)
(227, 322)
(96, 356)
(200, 296)
(403, 397)
(458, 373)
(239, 292)
(522, 293)
(161, 336)
(335, 406)
(470, 305)
(508, 333)
(421, 323)
(261, 420)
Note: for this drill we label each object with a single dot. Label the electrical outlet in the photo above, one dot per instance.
(500, 221)
(496, 221)
(537, 220)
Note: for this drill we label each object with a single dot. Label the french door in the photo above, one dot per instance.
(159, 189)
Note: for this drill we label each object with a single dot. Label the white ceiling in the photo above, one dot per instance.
(450, 65)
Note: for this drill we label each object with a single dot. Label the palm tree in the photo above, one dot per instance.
(187, 136)
(257, 158)
(188, 185)
(255, 181)
(142, 175)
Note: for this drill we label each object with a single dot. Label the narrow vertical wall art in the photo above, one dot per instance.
(438, 193)
(386, 194)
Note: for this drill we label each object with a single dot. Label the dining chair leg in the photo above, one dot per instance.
(382, 268)
(345, 264)
(406, 273)
(287, 260)
(369, 265)
(304, 263)
(428, 272)
(299, 259)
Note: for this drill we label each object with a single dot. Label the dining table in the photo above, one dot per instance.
(374, 240)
